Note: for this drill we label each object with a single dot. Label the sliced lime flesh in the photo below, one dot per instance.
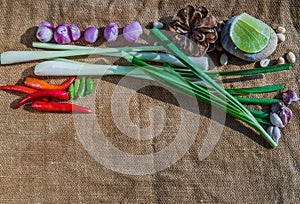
(249, 34)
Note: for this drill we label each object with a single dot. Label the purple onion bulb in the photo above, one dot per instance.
(290, 97)
(62, 34)
(132, 32)
(286, 115)
(276, 120)
(91, 34)
(45, 32)
(277, 107)
(75, 32)
(111, 32)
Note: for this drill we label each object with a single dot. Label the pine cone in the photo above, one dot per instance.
(198, 25)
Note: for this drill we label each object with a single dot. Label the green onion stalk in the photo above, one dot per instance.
(235, 108)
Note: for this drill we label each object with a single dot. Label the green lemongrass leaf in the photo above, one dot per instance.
(184, 88)
(200, 93)
(264, 121)
(260, 70)
(253, 90)
(246, 116)
(257, 101)
(172, 80)
(259, 114)
(11, 57)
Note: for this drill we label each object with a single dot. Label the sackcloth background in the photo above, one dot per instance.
(43, 161)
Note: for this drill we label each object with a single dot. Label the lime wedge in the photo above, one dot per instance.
(249, 34)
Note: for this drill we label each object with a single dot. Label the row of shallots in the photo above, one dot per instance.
(67, 33)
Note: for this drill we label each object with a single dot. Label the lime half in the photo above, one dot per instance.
(249, 34)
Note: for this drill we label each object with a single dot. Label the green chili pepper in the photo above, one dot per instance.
(71, 91)
(76, 86)
(81, 89)
(89, 86)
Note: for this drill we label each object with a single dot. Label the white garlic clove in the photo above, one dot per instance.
(264, 62)
(291, 57)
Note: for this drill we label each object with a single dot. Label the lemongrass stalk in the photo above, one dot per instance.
(62, 68)
(201, 62)
(54, 46)
(245, 114)
(11, 57)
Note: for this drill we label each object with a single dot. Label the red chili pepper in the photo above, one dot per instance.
(41, 84)
(18, 88)
(21, 89)
(59, 107)
(56, 94)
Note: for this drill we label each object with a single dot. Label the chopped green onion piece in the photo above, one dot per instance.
(253, 90)
(260, 70)
(263, 121)
(257, 101)
(259, 114)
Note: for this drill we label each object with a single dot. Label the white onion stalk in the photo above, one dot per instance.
(11, 57)
(63, 67)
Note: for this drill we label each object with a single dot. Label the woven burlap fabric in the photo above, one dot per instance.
(43, 160)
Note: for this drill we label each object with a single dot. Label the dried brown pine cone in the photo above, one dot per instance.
(198, 25)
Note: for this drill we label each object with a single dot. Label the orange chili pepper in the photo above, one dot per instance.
(41, 84)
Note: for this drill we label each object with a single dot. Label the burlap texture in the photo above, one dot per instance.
(43, 161)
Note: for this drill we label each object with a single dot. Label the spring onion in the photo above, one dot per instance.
(238, 110)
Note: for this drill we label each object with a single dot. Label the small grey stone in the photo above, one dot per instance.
(224, 59)
(229, 46)
(158, 24)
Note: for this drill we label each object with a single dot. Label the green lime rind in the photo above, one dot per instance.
(249, 34)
